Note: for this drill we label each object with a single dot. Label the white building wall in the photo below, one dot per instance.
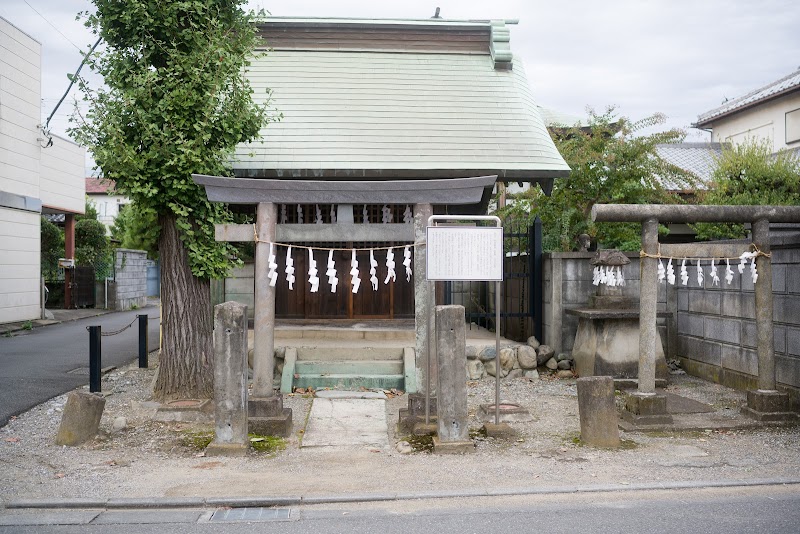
(108, 207)
(19, 265)
(20, 154)
(20, 92)
(61, 179)
(767, 121)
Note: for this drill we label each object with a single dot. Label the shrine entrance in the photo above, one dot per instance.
(395, 300)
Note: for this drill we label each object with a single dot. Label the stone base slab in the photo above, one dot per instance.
(407, 421)
(632, 383)
(280, 425)
(641, 404)
(425, 429)
(509, 413)
(501, 431)
(186, 411)
(416, 404)
(768, 417)
(641, 409)
(646, 420)
(452, 447)
(767, 401)
(265, 406)
(227, 449)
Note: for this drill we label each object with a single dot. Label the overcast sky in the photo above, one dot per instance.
(678, 57)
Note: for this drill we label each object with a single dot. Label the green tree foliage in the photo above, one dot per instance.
(91, 243)
(137, 228)
(749, 173)
(176, 101)
(52, 249)
(89, 212)
(611, 162)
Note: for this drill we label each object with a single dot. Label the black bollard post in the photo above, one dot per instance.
(94, 359)
(142, 341)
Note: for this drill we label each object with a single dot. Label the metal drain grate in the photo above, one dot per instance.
(251, 514)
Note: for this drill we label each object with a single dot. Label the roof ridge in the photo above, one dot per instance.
(735, 103)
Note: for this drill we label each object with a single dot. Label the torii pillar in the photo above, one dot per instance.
(765, 403)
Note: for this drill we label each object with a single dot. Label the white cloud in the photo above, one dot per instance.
(679, 57)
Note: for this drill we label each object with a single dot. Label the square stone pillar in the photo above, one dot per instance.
(452, 422)
(422, 308)
(230, 381)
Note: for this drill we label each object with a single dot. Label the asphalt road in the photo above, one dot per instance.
(773, 509)
(35, 365)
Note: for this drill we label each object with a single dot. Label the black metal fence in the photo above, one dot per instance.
(521, 290)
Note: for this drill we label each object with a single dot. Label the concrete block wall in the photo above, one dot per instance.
(130, 279)
(239, 287)
(568, 284)
(717, 331)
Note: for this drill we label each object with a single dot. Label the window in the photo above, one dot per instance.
(793, 126)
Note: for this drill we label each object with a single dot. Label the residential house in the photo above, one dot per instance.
(106, 201)
(769, 113)
(39, 174)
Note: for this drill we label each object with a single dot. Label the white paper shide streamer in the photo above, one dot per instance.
(684, 273)
(313, 279)
(290, 269)
(700, 275)
(273, 267)
(728, 272)
(386, 214)
(390, 274)
(408, 216)
(331, 272)
(407, 262)
(670, 273)
(713, 272)
(354, 279)
(373, 269)
(662, 273)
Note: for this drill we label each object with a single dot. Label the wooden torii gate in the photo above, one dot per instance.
(765, 403)
(465, 195)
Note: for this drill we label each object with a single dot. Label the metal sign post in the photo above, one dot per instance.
(464, 253)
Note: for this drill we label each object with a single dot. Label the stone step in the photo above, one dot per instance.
(381, 368)
(370, 334)
(354, 353)
(355, 368)
(348, 381)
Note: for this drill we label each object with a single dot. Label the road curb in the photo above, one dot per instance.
(266, 502)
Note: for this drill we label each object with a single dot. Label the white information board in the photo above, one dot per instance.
(464, 253)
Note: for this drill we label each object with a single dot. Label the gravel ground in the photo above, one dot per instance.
(148, 459)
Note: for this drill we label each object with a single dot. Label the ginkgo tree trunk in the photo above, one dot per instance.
(175, 101)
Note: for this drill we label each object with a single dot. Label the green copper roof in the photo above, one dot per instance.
(399, 114)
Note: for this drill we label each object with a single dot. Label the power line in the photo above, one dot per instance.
(53, 25)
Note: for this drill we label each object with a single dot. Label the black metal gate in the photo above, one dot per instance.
(83, 286)
(522, 287)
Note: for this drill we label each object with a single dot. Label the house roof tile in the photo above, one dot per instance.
(775, 89)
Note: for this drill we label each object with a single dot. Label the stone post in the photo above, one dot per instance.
(764, 301)
(266, 414)
(81, 418)
(422, 296)
(648, 304)
(598, 414)
(264, 313)
(453, 430)
(766, 403)
(230, 381)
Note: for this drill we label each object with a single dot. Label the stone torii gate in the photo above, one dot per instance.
(765, 403)
(465, 195)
